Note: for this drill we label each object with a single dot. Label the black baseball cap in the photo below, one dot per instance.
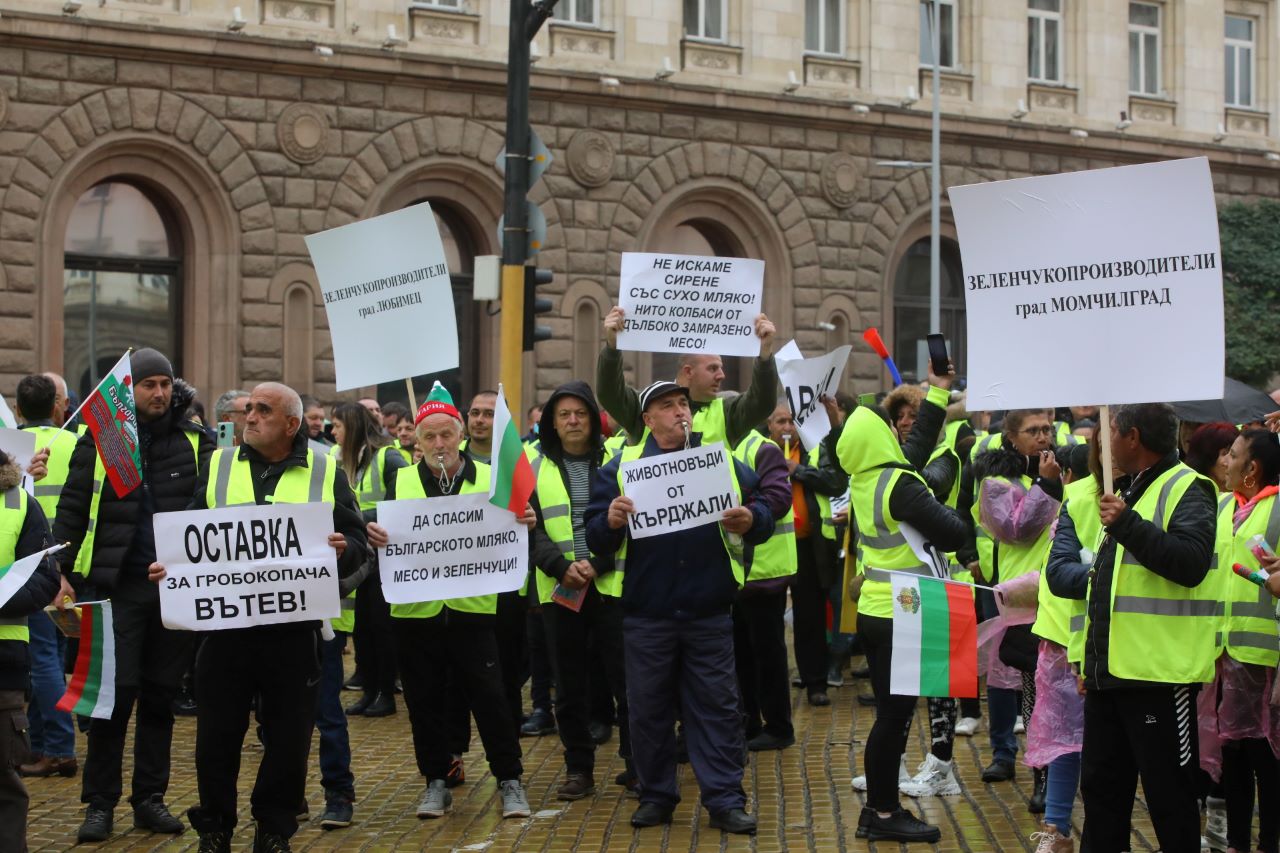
(661, 389)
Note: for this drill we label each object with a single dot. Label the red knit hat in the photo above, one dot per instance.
(439, 402)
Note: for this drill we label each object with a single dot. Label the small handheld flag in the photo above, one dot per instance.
(7, 418)
(873, 339)
(511, 480)
(112, 417)
(14, 576)
(92, 689)
(935, 638)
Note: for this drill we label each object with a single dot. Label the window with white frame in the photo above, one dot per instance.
(946, 21)
(1044, 40)
(1144, 48)
(823, 26)
(578, 12)
(1240, 53)
(705, 19)
(437, 4)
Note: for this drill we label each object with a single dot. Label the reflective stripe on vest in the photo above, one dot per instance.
(775, 557)
(409, 486)
(222, 492)
(61, 444)
(828, 526)
(557, 522)
(1150, 615)
(84, 557)
(373, 481)
(1251, 635)
(886, 548)
(12, 516)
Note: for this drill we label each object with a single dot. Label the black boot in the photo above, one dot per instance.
(265, 842)
(215, 842)
(383, 705)
(1036, 804)
(357, 709)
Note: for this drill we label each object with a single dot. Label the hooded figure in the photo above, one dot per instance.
(885, 493)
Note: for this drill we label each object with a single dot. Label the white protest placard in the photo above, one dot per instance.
(1120, 266)
(246, 565)
(450, 547)
(20, 445)
(688, 303)
(385, 281)
(680, 490)
(804, 380)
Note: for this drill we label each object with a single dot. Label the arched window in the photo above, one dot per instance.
(122, 284)
(711, 239)
(299, 333)
(586, 338)
(911, 307)
(460, 251)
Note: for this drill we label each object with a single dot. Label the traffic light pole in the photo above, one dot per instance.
(515, 237)
(526, 19)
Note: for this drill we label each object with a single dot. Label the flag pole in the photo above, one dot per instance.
(1104, 436)
(85, 401)
(413, 400)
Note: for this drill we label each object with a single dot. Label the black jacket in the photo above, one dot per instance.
(546, 555)
(684, 574)
(36, 593)
(1182, 554)
(169, 476)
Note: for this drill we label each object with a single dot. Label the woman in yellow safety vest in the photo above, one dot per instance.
(1018, 493)
(1247, 723)
(370, 460)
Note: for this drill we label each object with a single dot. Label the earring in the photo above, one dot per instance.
(1248, 481)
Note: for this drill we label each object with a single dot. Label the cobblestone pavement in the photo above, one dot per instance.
(801, 796)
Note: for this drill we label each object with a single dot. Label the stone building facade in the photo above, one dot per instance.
(171, 168)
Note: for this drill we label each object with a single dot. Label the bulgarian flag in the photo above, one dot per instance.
(92, 690)
(7, 419)
(14, 576)
(935, 638)
(511, 481)
(112, 417)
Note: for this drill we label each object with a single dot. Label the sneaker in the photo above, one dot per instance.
(901, 825)
(154, 815)
(859, 783)
(97, 825)
(835, 678)
(266, 842)
(338, 810)
(576, 786)
(215, 842)
(936, 778)
(436, 801)
(1215, 824)
(514, 801)
(968, 726)
(355, 682)
(457, 773)
(1018, 727)
(1049, 840)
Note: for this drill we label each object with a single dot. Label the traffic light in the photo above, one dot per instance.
(534, 305)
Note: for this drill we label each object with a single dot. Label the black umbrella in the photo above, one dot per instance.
(1240, 404)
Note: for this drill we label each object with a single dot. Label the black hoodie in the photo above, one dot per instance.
(546, 554)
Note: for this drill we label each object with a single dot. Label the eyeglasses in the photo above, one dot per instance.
(1040, 430)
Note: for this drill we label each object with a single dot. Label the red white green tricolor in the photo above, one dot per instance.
(92, 690)
(511, 481)
(935, 638)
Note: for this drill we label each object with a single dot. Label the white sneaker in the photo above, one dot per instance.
(967, 726)
(937, 778)
(514, 801)
(1049, 840)
(859, 783)
(1018, 727)
(1215, 824)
